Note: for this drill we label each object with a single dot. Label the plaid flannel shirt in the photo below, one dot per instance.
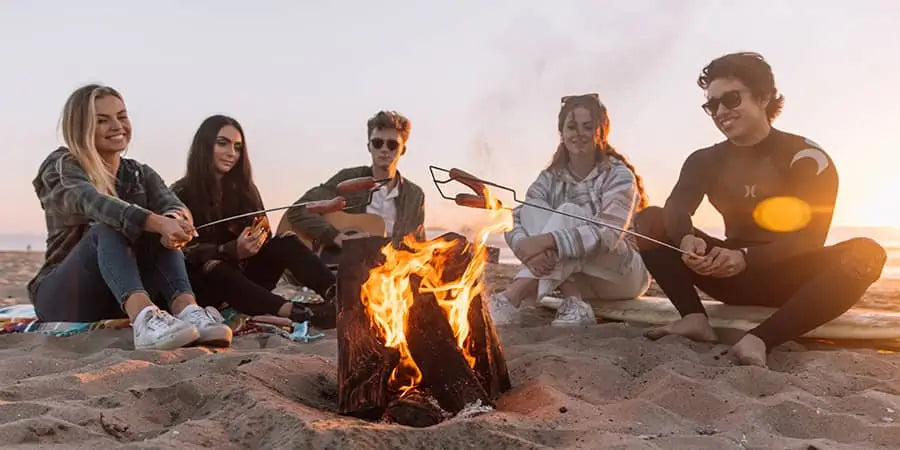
(72, 204)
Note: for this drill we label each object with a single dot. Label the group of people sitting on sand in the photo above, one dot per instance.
(121, 241)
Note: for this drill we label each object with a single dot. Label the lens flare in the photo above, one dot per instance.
(782, 214)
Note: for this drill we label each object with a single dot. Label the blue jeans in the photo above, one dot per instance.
(103, 270)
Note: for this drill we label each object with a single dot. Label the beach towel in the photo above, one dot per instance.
(22, 319)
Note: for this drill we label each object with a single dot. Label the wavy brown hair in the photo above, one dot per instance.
(592, 103)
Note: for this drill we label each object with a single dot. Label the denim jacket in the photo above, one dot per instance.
(72, 204)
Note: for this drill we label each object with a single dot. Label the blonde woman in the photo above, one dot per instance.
(586, 177)
(113, 233)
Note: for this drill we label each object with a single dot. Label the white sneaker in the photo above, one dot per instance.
(574, 312)
(157, 329)
(502, 310)
(209, 323)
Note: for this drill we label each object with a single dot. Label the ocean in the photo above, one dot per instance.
(888, 237)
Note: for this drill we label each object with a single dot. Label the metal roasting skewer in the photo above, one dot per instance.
(377, 185)
(459, 177)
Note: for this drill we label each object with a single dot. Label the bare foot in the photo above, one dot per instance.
(692, 326)
(750, 351)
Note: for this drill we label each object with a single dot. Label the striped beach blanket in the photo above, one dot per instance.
(22, 319)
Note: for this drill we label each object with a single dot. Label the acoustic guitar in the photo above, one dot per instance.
(343, 222)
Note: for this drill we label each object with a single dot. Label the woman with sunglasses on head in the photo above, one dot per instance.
(586, 177)
(239, 262)
(776, 192)
(113, 233)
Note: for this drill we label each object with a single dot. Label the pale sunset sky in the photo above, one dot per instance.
(479, 80)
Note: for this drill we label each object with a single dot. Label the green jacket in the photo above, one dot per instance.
(410, 203)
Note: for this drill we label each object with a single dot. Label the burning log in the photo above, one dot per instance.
(364, 363)
(445, 370)
(436, 365)
(483, 343)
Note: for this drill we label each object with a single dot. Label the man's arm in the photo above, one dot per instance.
(686, 197)
(313, 225)
(815, 185)
(419, 218)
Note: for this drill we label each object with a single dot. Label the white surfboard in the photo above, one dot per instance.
(857, 323)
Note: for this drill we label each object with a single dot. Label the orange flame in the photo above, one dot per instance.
(387, 293)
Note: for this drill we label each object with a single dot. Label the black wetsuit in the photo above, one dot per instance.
(812, 284)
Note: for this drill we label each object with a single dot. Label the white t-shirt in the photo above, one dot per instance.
(384, 205)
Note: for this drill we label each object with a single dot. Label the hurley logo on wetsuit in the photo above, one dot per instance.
(749, 191)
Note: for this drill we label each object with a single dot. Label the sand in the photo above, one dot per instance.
(603, 386)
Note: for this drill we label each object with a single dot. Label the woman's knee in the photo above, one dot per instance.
(285, 241)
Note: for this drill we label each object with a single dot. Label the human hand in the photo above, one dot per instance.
(249, 242)
(532, 246)
(543, 263)
(722, 263)
(694, 246)
(172, 231)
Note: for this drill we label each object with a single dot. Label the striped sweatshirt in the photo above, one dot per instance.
(609, 192)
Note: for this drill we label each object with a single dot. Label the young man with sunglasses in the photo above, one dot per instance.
(776, 193)
(399, 203)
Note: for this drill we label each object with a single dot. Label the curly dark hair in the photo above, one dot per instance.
(753, 70)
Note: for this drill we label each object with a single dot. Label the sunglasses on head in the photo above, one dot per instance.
(377, 143)
(568, 98)
(730, 99)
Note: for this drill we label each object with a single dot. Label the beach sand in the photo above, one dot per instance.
(603, 386)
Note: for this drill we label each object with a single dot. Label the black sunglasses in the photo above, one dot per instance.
(392, 144)
(730, 99)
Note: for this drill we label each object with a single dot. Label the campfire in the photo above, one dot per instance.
(416, 344)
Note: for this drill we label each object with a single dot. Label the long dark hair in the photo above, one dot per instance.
(592, 103)
(209, 200)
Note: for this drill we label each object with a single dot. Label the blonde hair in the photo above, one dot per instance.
(78, 124)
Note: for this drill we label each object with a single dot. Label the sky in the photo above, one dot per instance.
(480, 82)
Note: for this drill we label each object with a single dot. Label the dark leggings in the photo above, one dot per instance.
(809, 289)
(248, 289)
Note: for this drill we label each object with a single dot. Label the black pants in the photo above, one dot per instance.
(809, 289)
(248, 289)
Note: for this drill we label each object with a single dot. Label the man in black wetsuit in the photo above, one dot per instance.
(776, 193)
